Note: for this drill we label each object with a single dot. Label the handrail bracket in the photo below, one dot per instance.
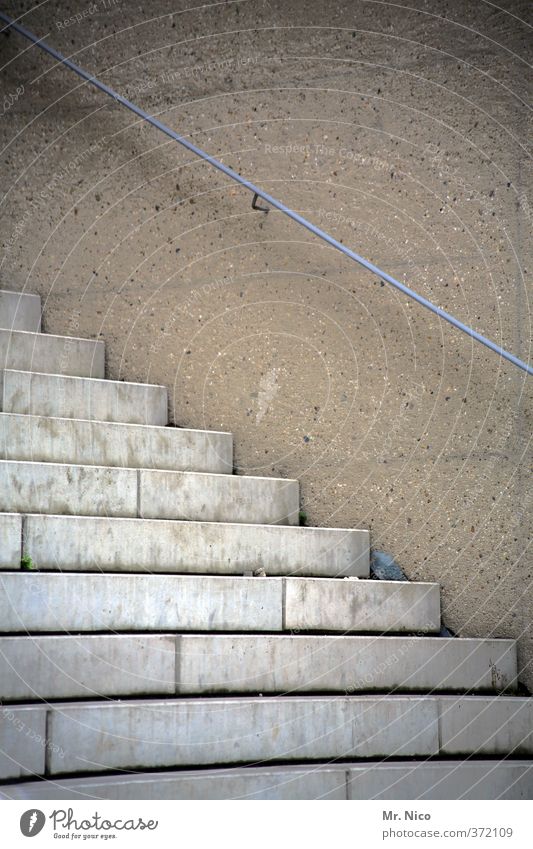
(256, 206)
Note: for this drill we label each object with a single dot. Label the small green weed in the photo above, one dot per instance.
(27, 563)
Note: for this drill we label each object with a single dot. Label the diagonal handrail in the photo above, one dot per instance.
(257, 192)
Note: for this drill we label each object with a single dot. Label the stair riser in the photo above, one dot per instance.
(218, 498)
(85, 543)
(44, 602)
(51, 354)
(130, 446)
(86, 667)
(485, 780)
(233, 664)
(45, 488)
(20, 312)
(101, 491)
(102, 666)
(90, 737)
(40, 603)
(315, 605)
(51, 395)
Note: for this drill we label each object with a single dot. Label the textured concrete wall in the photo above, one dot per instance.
(402, 132)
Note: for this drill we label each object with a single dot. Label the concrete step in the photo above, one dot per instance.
(56, 396)
(103, 491)
(50, 440)
(51, 354)
(467, 780)
(43, 602)
(19, 311)
(69, 738)
(75, 666)
(131, 545)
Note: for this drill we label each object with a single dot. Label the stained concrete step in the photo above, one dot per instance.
(468, 780)
(51, 354)
(53, 395)
(43, 602)
(19, 311)
(66, 738)
(84, 543)
(103, 491)
(465, 780)
(51, 440)
(92, 666)
(10, 540)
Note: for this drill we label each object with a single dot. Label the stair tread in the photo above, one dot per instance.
(400, 780)
(27, 463)
(105, 380)
(115, 425)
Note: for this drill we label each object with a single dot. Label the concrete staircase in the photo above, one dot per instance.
(170, 632)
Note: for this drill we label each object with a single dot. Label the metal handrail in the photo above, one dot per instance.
(259, 193)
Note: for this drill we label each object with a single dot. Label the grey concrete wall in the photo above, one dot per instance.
(400, 131)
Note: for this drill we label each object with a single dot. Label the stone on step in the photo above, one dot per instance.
(469, 780)
(54, 488)
(111, 665)
(51, 354)
(42, 602)
(103, 544)
(315, 604)
(54, 440)
(37, 602)
(10, 540)
(19, 311)
(52, 395)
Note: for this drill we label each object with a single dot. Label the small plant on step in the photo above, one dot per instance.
(27, 563)
(302, 516)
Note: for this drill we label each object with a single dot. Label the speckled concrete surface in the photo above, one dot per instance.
(400, 130)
